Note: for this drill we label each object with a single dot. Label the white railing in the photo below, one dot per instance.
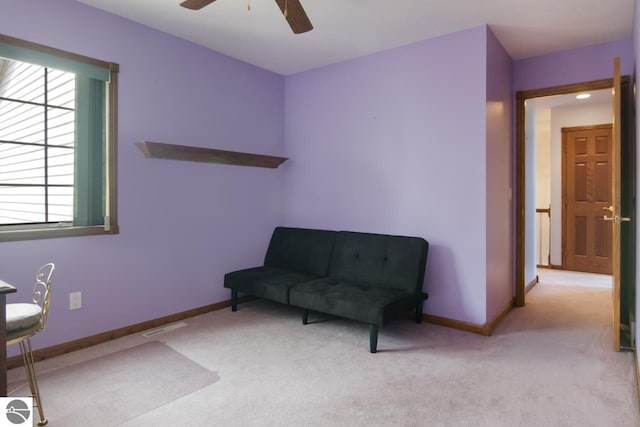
(543, 236)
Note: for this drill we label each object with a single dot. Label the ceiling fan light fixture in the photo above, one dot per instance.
(295, 15)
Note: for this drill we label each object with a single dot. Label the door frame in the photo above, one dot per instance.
(520, 177)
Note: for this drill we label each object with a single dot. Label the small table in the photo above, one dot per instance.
(5, 289)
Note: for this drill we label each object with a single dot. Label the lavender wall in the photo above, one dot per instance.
(395, 143)
(183, 225)
(499, 279)
(408, 141)
(572, 66)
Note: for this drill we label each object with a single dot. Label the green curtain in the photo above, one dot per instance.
(90, 152)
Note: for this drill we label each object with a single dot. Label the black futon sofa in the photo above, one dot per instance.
(371, 278)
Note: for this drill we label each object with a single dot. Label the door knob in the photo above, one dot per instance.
(616, 219)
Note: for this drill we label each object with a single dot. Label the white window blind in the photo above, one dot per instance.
(37, 125)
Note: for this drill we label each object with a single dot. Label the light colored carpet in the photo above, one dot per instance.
(110, 389)
(574, 278)
(548, 364)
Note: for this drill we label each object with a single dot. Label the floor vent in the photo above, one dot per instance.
(162, 330)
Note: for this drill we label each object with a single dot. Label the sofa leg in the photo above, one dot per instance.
(305, 316)
(373, 338)
(419, 312)
(234, 300)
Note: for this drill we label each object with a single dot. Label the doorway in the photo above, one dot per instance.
(523, 203)
(522, 210)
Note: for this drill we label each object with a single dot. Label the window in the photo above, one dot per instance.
(37, 135)
(57, 143)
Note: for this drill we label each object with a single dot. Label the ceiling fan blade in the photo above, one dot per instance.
(296, 16)
(196, 4)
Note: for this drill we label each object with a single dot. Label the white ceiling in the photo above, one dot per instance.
(542, 106)
(345, 29)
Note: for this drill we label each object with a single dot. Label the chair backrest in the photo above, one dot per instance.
(300, 249)
(42, 291)
(380, 260)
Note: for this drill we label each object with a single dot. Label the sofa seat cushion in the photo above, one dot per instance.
(266, 282)
(346, 299)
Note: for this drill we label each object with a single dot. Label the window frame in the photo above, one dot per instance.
(56, 230)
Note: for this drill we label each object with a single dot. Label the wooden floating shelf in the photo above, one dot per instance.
(159, 150)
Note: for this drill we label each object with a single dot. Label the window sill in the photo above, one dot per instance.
(54, 232)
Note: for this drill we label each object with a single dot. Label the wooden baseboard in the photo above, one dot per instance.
(531, 284)
(551, 266)
(453, 323)
(485, 329)
(68, 347)
(490, 326)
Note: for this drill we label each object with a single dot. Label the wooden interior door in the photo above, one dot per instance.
(587, 188)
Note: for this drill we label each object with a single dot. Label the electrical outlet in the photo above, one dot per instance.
(75, 300)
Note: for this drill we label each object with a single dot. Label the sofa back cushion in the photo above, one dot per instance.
(302, 250)
(379, 260)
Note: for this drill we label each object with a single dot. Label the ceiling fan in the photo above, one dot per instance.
(291, 9)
